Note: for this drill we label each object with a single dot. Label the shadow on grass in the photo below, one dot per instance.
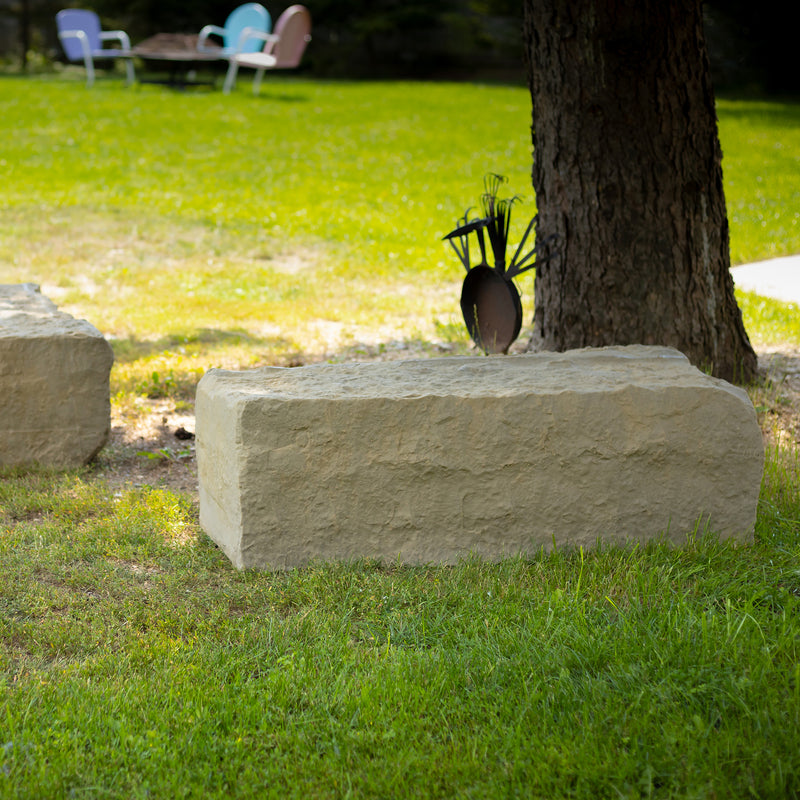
(130, 349)
(273, 96)
(278, 350)
(777, 111)
(172, 365)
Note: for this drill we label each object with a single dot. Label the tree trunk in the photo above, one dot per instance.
(627, 172)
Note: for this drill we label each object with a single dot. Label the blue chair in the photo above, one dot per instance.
(82, 39)
(235, 38)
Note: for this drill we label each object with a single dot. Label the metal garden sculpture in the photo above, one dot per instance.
(490, 302)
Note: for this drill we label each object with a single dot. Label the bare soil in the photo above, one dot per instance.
(777, 398)
(152, 447)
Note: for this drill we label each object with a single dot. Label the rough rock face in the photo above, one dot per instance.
(54, 392)
(429, 460)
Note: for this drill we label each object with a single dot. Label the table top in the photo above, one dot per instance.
(175, 47)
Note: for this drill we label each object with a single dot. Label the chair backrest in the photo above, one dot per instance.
(249, 15)
(78, 19)
(293, 30)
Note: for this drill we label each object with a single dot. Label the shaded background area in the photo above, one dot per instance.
(749, 43)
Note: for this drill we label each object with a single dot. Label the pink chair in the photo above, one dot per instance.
(82, 40)
(283, 48)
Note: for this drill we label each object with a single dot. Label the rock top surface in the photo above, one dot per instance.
(587, 370)
(26, 313)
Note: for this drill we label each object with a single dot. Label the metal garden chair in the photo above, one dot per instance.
(236, 34)
(282, 49)
(82, 39)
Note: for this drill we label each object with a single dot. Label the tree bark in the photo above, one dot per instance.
(627, 171)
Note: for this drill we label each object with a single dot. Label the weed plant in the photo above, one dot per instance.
(136, 662)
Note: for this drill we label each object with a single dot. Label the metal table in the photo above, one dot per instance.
(177, 53)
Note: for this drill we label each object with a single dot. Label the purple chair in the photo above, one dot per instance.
(283, 48)
(82, 40)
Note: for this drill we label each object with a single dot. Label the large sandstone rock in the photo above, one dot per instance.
(430, 460)
(54, 393)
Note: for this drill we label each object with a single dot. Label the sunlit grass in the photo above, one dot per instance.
(196, 231)
(761, 166)
(135, 661)
(312, 213)
(770, 322)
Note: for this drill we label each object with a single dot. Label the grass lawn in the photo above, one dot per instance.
(197, 230)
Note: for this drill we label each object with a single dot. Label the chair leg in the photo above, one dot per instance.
(257, 80)
(89, 64)
(86, 52)
(88, 61)
(230, 78)
(131, 76)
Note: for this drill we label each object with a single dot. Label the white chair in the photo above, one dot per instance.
(282, 49)
(80, 36)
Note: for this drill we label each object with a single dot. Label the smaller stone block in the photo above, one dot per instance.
(55, 408)
(431, 460)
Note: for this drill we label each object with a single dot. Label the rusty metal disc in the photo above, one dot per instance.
(492, 309)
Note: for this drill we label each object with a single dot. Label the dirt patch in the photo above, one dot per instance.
(777, 399)
(151, 445)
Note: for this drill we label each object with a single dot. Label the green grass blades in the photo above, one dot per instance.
(761, 168)
(135, 662)
(198, 230)
(302, 219)
(769, 322)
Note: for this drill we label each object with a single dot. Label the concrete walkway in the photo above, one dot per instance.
(778, 278)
